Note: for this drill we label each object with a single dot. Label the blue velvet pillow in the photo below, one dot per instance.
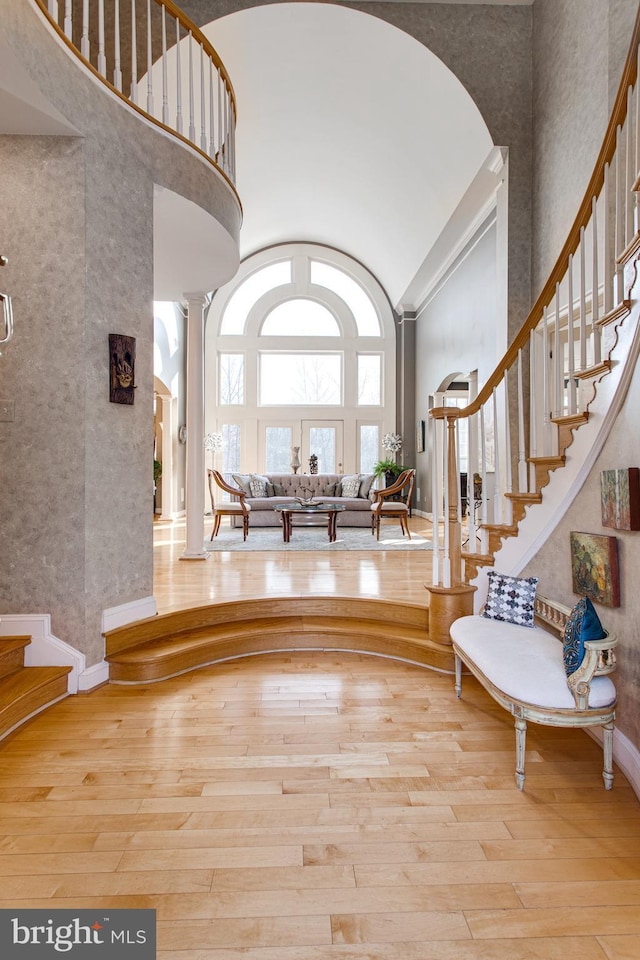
(583, 624)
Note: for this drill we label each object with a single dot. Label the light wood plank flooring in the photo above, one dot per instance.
(319, 807)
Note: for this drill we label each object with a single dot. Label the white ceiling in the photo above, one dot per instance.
(350, 133)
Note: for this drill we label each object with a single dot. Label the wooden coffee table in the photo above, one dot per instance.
(309, 515)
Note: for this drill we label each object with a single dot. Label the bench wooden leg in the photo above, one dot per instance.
(458, 663)
(607, 744)
(521, 739)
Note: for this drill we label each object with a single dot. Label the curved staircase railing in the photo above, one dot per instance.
(519, 425)
(160, 63)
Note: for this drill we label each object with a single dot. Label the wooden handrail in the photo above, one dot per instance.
(607, 150)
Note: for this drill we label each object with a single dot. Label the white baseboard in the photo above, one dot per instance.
(45, 649)
(125, 613)
(94, 676)
(625, 754)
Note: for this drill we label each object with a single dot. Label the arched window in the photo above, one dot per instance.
(300, 350)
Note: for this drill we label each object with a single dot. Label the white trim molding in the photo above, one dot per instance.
(120, 616)
(45, 649)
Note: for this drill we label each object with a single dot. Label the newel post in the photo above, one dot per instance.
(453, 598)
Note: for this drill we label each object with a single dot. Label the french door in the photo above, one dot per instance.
(323, 438)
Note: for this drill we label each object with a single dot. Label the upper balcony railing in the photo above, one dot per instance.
(155, 58)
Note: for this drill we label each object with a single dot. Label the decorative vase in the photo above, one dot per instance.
(295, 459)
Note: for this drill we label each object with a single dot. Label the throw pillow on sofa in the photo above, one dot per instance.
(366, 483)
(511, 599)
(330, 490)
(258, 485)
(242, 480)
(350, 485)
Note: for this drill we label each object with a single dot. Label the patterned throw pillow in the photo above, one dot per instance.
(350, 485)
(329, 490)
(583, 624)
(511, 599)
(258, 485)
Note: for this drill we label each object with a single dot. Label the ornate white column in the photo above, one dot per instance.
(195, 465)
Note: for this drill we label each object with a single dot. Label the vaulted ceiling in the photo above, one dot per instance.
(350, 133)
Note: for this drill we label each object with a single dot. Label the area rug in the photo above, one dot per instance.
(315, 538)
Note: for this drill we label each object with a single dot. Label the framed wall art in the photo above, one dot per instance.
(620, 498)
(122, 362)
(594, 567)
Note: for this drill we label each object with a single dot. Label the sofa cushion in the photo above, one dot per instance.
(583, 624)
(329, 490)
(511, 599)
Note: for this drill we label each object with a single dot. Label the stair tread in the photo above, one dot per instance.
(525, 497)
(9, 644)
(484, 559)
(557, 459)
(27, 679)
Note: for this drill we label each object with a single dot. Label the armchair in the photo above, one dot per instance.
(226, 508)
(384, 507)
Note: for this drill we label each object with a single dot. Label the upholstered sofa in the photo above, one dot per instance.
(265, 490)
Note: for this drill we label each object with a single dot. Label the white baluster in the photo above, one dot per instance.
(192, 125)
(472, 466)
(102, 60)
(508, 483)
(618, 217)
(533, 410)
(595, 293)
(226, 129)
(68, 17)
(117, 66)
(570, 344)
(498, 500)
(150, 110)
(220, 158)
(435, 505)
(52, 7)
(212, 137)
(583, 305)
(546, 389)
(84, 39)
(558, 360)
(165, 77)
(178, 81)
(636, 211)
(484, 535)
(523, 483)
(606, 229)
(203, 104)
(629, 171)
(134, 54)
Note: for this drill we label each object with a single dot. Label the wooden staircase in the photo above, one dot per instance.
(164, 646)
(25, 691)
(543, 467)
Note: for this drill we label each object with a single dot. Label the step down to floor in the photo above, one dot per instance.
(162, 647)
(27, 691)
(12, 653)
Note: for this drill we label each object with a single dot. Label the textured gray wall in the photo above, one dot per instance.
(77, 523)
(579, 49)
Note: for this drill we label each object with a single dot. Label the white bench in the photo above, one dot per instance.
(523, 670)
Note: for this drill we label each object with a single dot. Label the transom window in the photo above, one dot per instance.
(300, 318)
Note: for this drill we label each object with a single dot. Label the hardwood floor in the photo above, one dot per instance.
(315, 806)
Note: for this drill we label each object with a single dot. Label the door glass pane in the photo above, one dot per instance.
(278, 442)
(231, 378)
(300, 378)
(369, 379)
(322, 442)
(369, 443)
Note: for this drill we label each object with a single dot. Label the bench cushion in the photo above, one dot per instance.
(525, 663)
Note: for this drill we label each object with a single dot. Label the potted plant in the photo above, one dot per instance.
(388, 469)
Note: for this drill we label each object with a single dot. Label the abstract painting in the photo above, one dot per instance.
(594, 567)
